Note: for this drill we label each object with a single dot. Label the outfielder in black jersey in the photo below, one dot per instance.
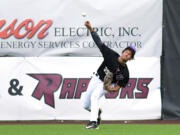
(112, 75)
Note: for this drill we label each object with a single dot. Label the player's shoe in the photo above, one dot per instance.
(92, 125)
(99, 117)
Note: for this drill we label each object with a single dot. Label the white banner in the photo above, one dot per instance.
(56, 27)
(49, 88)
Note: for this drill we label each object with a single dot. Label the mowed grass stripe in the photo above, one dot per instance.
(106, 129)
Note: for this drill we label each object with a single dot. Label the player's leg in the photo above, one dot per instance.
(91, 86)
(95, 97)
(99, 116)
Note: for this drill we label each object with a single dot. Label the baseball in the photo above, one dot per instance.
(83, 14)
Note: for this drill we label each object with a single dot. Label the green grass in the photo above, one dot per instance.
(107, 129)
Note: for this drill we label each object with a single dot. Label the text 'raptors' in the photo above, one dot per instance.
(72, 88)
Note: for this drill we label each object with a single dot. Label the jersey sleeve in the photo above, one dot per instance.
(97, 40)
(105, 51)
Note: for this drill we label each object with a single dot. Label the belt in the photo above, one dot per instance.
(96, 74)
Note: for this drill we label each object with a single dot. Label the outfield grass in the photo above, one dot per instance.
(107, 129)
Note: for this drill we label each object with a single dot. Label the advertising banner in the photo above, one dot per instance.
(56, 28)
(53, 88)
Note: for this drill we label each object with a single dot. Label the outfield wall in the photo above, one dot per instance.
(42, 89)
(48, 58)
(171, 49)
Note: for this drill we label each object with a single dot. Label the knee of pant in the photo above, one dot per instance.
(94, 97)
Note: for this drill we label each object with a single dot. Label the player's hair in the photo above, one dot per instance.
(132, 49)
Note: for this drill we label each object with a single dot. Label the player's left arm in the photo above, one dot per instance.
(107, 83)
(112, 89)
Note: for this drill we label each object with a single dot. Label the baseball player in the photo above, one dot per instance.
(112, 75)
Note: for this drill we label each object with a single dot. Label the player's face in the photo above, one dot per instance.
(126, 55)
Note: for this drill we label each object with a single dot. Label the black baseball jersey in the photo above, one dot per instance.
(120, 72)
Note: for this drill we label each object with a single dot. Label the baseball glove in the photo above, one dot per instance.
(108, 79)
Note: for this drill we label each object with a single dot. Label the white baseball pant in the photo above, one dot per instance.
(93, 94)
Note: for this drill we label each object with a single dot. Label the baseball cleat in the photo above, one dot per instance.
(92, 125)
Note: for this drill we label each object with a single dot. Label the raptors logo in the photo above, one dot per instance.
(72, 88)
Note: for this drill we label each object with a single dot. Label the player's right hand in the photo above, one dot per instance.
(88, 25)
